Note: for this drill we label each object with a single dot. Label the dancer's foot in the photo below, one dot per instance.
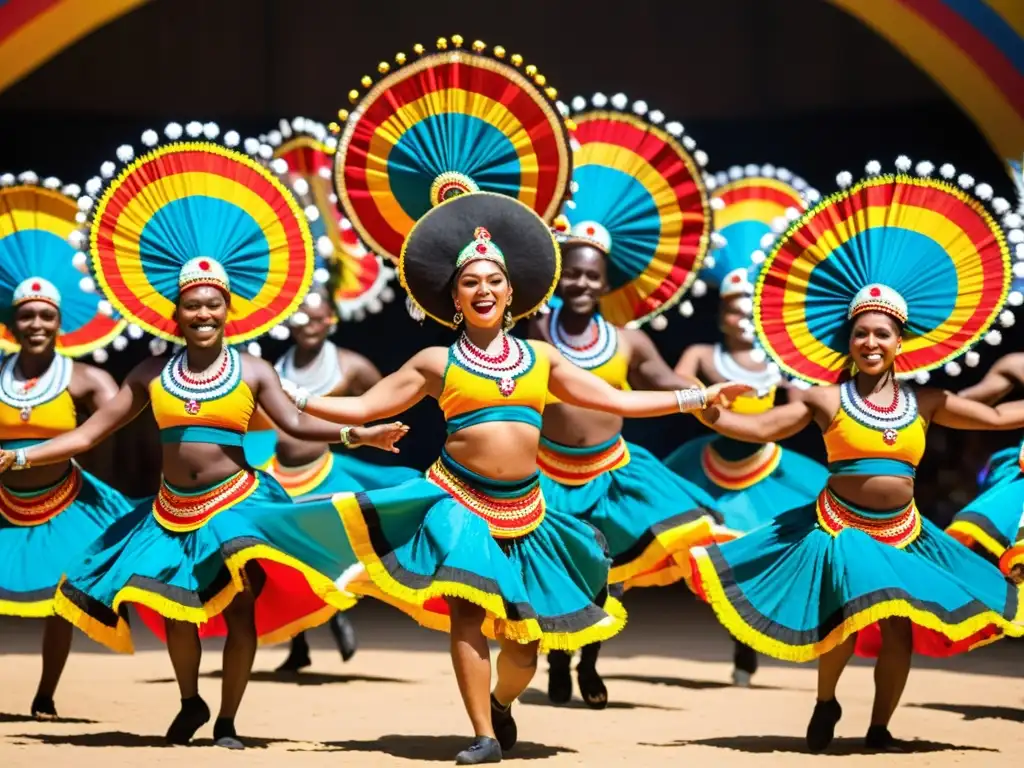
(344, 635)
(43, 707)
(298, 656)
(559, 677)
(822, 728)
(224, 734)
(744, 659)
(878, 738)
(194, 714)
(483, 750)
(504, 725)
(741, 678)
(592, 687)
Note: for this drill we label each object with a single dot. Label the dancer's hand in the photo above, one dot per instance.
(6, 460)
(723, 394)
(382, 436)
(295, 393)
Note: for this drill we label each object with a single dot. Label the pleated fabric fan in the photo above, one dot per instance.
(444, 123)
(931, 240)
(189, 198)
(38, 228)
(637, 183)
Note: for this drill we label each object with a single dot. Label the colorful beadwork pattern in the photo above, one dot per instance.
(744, 473)
(572, 469)
(507, 518)
(897, 529)
(36, 508)
(187, 512)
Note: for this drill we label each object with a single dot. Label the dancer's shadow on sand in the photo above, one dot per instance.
(840, 747)
(130, 740)
(10, 717)
(439, 749)
(683, 682)
(296, 678)
(537, 698)
(977, 711)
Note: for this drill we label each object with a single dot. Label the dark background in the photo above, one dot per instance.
(796, 83)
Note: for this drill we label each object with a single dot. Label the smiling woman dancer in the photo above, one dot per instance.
(47, 514)
(198, 244)
(632, 240)
(748, 483)
(892, 277)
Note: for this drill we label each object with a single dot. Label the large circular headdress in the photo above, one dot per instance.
(199, 205)
(445, 123)
(500, 225)
(916, 246)
(38, 226)
(356, 278)
(639, 195)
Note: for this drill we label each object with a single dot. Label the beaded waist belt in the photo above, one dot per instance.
(578, 466)
(183, 511)
(511, 510)
(738, 474)
(897, 528)
(26, 508)
(298, 481)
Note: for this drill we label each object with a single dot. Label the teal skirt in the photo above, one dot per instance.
(800, 585)
(535, 570)
(183, 556)
(992, 522)
(43, 533)
(649, 516)
(750, 484)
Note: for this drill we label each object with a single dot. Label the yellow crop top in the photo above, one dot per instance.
(862, 441)
(46, 409)
(508, 387)
(218, 411)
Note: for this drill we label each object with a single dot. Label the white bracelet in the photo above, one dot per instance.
(692, 399)
(20, 459)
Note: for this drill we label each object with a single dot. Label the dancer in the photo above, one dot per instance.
(47, 514)
(476, 549)
(749, 483)
(891, 277)
(622, 227)
(198, 244)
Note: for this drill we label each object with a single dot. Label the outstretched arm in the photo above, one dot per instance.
(575, 386)
(780, 422)
(955, 412)
(390, 396)
(649, 369)
(688, 366)
(998, 382)
(109, 417)
(276, 404)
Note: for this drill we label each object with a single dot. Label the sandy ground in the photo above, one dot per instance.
(396, 702)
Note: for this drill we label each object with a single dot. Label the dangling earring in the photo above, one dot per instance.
(509, 322)
(457, 320)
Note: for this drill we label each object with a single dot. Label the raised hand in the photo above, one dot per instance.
(725, 393)
(382, 436)
(6, 460)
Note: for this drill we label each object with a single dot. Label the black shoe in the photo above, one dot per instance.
(483, 750)
(344, 635)
(559, 677)
(43, 708)
(879, 739)
(744, 659)
(224, 734)
(592, 687)
(298, 656)
(822, 728)
(194, 714)
(504, 725)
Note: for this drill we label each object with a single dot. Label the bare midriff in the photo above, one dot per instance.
(876, 492)
(579, 427)
(500, 450)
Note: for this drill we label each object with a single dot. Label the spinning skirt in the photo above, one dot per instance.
(183, 555)
(993, 520)
(535, 570)
(649, 516)
(336, 473)
(750, 484)
(43, 533)
(800, 585)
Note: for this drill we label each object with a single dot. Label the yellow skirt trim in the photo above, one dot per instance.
(671, 550)
(748, 635)
(968, 533)
(119, 638)
(379, 583)
(39, 609)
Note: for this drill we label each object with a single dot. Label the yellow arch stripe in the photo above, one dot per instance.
(1012, 12)
(764, 211)
(160, 192)
(20, 219)
(451, 100)
(761, 182)
(965, 258)
(964, 81)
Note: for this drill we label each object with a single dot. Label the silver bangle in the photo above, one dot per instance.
(346, 436)
(20, 459)
(301, 401)
(692, 399)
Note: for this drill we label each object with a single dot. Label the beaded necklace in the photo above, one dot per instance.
(886, 419)
(592, 349)
(730, 370)
(26, 395)
(320, 377)
(515, 359)
(197, 388)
